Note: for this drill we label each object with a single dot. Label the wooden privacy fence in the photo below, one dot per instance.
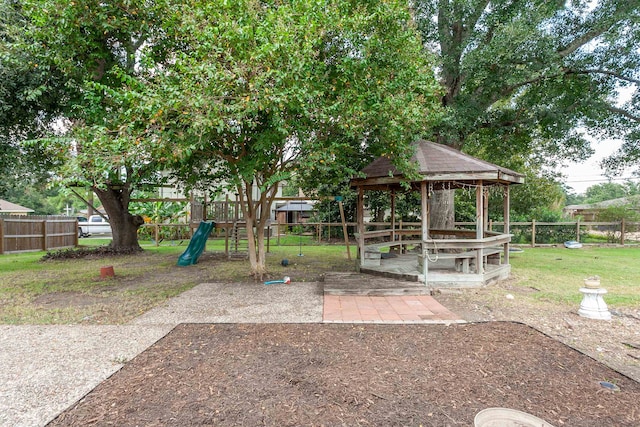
(37, 233)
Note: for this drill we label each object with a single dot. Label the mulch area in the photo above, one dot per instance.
(355, 375)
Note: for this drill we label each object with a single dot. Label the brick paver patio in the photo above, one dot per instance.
(386, 309)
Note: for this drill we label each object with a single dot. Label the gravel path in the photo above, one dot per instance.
(45, 369)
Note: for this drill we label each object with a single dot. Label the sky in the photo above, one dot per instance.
(581, 176)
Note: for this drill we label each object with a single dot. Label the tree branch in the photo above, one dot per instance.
(624, 113)
(612, 17)
(607, 72)
(580, 41)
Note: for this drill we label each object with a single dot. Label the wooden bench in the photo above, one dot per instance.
(464, 261)
(372, 254)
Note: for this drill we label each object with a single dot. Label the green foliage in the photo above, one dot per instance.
(258, 93)
(522, 76)
(629, 212)
(30, 100)
(94, 59)
(611, 190)
(291, 88)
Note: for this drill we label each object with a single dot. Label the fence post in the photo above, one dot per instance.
(44, 234)
(622, 232)
(1, 236)
(578, 230)
(533, 233)
(156, 233)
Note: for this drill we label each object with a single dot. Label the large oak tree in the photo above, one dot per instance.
(526, 79)
(94, 60)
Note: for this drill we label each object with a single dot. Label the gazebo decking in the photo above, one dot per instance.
(449, 262)
(441, 274)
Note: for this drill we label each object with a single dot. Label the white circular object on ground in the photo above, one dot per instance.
(505, 417)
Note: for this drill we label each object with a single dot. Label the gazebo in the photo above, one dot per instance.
(437, 257)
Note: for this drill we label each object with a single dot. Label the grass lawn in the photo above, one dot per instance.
(559, 272)
(71, 291)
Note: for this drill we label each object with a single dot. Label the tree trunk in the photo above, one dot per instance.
(442, 211)
(442, 216)
(124, 225)
(256, 258)
(256, 214)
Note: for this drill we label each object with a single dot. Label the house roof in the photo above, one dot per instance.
(295, 207)
(438, 163)
(12, 208)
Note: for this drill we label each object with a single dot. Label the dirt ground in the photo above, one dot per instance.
(615, 343)
(356, 375)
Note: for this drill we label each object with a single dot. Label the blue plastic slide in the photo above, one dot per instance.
(196, 245)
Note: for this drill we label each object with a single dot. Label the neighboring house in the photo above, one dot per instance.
(294, 212)
(13, 209)
(589, 212)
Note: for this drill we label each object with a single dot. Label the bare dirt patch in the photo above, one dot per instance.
(328, 374)
(67, 299)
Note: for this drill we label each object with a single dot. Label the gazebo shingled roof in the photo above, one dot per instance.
(437, 163)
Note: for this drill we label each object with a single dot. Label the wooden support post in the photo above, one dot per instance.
(507, 222)
(424, 199)
(1, 236)
(533, 233)
(480, 217)
(578, 230)
(156, 233)
(485, 210)
(393, 215)
(360, 225)
(226, 227)
(44, 235)
(344, 230)
(622, 231)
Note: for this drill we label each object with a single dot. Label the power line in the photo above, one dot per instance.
(631, 178)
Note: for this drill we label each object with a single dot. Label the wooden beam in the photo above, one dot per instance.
(393, 215)
(360, 212)
(507, 221)
(424, 210)
(479, 225)
(162, 199)
(344, 230)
